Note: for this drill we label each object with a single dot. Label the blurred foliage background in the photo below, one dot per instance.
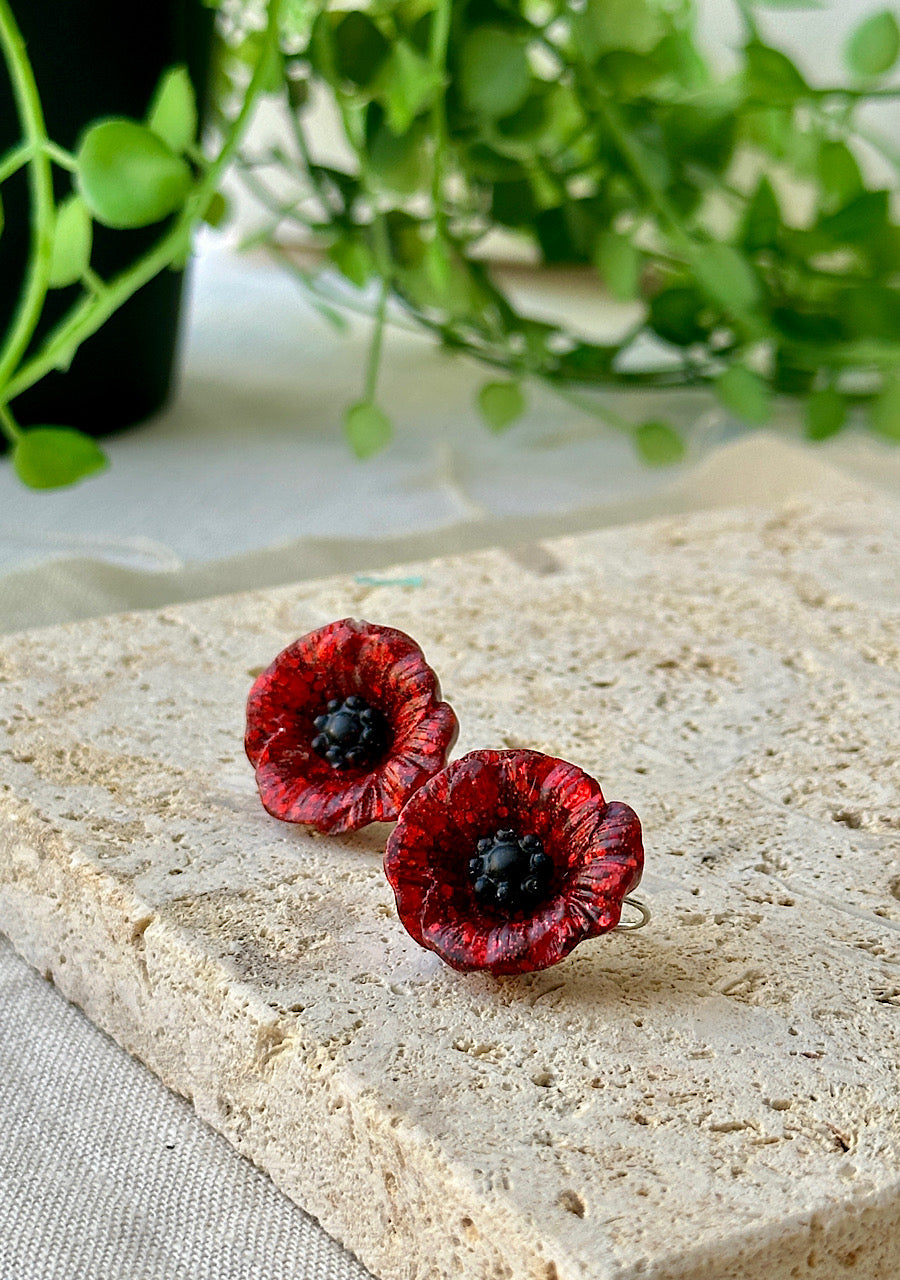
(732, 208)
(743, 215)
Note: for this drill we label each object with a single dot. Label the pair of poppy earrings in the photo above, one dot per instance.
(501, 860)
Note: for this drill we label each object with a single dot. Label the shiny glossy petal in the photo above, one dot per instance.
(471, 940)
(388, 669)
(595, 848)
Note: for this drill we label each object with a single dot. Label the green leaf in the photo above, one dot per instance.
(745, 394)
(790, 375)
(769, 128)
(678, 52)
(659, 444)
(619, 265)
(839, 175)
(884, 250)
(128, 176)
(405, 238)
(547, 193)
(439, 269)
(628, 74)
(494, 76)
(870, 311)
(252, 50)
(523, 134)
(360, 48)
(859, 220)
(677, 315)
(802, 150)
(874, 45)
(700, 134)
(884, 415)
(297, 92)
(513, 203)
(726, 277)
(368, 428)
(632, 25)
(51, 457)
(500, 404)
(353, 258)
(217, 210)
(341, 186)
(772, 77)
(72, 238)
(406, 85)
(398, 164)
(826, 414)
(440, 277)
(173, 111)
(810, 327)
(762, 219)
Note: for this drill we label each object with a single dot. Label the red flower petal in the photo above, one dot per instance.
(387, 668)
(595, 849)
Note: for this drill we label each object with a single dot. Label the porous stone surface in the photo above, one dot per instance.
(712, 1098)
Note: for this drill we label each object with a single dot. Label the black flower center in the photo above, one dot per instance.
(350, 733)
(510, 871)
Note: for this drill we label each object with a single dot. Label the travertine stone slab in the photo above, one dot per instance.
(714, 1098)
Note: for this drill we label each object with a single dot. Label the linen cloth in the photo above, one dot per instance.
(245, 483)
(106, 1175)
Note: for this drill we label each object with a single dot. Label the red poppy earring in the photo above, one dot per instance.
(345, 725)
(506, 860)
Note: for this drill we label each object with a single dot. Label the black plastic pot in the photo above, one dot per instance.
(94, 58)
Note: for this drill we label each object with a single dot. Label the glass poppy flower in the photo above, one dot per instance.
(507, 860)
(345, 725)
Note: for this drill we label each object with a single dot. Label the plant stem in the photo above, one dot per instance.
(440, 37)
(631, 153)
(657, 380)
(14, 160)
(60, 156)
(40, 180)
(93, 282)
(315, 296)
(745, 9)
(862, 95)
(306, 156)
(877, 143)
(586, 405)
(374, 362)
(629, 148)
(87, 316)
(9, 426)
(280, 209)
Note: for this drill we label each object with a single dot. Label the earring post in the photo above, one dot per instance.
(643, 911)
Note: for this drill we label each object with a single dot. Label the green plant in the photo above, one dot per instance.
(124, 174)
(595, 133)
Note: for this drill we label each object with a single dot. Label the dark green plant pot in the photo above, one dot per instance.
(91, 59)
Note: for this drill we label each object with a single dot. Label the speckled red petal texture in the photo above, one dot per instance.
(596, 850)
(388, 669)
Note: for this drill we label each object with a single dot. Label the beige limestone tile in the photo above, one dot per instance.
(714, 1098)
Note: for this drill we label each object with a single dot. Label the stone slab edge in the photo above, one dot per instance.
(299, 1124)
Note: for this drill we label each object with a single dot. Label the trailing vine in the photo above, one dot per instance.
(733, 211)
(736, 213)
